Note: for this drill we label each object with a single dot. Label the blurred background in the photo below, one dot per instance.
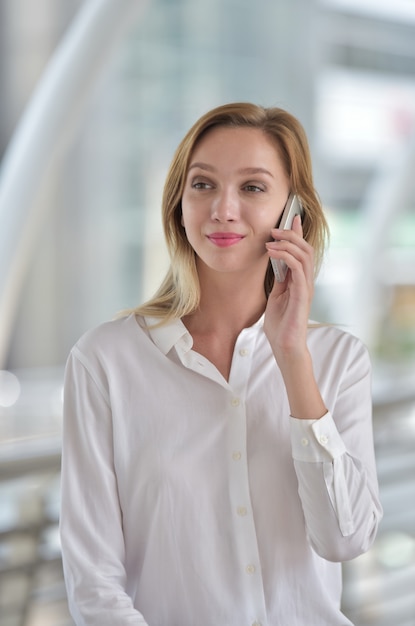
(92, 106)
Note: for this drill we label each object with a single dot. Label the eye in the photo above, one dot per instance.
(198, 183)
(253, 188)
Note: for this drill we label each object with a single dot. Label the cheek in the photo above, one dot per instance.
(190, 226)
(267, 221)
(264, 229)
(186, 222)
(190, 218)
(184, 216)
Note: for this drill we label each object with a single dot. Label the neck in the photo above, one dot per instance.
(229, 301)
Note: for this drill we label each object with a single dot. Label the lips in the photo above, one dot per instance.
(223, 240)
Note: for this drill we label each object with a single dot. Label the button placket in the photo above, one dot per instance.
(240, 499)
(245, 538)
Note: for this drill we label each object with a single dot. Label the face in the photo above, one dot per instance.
(235, 192)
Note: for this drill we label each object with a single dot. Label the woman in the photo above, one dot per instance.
(218, 459)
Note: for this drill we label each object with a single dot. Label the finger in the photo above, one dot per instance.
(297, 225)
(298, 255)
(288, 240)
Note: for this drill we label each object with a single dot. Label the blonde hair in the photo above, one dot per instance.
(179, 293)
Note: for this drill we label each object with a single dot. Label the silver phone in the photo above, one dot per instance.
(292, 208)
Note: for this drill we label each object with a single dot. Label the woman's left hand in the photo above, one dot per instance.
(288, 306)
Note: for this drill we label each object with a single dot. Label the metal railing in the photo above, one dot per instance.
(378, 587)
(31, 578)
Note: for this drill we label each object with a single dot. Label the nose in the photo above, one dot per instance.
(225, 206)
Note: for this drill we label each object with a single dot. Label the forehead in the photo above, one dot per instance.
(241, 142)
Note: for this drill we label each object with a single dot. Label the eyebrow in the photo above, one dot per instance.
(245, 170)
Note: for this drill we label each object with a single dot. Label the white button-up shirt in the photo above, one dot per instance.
(188, 500)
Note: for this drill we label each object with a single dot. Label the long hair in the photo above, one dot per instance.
(179, 293)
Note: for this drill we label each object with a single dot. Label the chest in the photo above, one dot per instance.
(216, 350)
(192, 438)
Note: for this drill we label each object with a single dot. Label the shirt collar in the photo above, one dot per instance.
(175, 332)
(169, 335)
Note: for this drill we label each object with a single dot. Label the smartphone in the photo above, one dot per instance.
(291, 209)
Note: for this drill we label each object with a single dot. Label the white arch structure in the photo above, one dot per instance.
(387, 196)
(50, 117)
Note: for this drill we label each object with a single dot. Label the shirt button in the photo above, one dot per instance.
(304, 442)
(242, 511)
(236, 456)
(323, 440)
(250, 569)
(243, 352)
(235, 402)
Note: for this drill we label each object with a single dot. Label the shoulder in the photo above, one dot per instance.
(110, 338)
(108, 330)
(333, 335)
(109, 351)
(327, 341)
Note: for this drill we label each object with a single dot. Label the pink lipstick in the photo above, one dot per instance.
(223, 240)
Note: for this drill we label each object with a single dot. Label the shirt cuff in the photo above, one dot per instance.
(316, 441)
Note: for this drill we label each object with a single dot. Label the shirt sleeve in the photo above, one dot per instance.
(335, 465)
(91, 522)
